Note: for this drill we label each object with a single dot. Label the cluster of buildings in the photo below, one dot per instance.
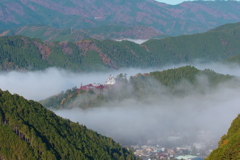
(147, 152)
(97, 86)
(175, 147)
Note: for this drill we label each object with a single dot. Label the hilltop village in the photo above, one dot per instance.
(97, 86)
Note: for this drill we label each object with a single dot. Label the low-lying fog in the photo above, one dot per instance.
(130, 120)
(138, 41)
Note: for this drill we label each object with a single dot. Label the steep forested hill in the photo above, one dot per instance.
(185, 18)
(137, 87)
(29, 131)
(229, 145)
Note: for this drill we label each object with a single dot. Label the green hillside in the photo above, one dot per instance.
(215, 45)
(229, 145)
(20, 53)
(137, 87)
(227, 27)
(29, 131)
(23, 53)
(172, 77)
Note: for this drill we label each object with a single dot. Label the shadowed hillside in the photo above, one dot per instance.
(29, 131)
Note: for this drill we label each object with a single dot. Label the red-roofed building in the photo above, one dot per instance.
(99, 87)
(87, 87)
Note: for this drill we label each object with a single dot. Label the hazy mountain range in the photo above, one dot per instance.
(155, 18)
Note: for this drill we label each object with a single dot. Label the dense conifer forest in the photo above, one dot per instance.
(29, 131)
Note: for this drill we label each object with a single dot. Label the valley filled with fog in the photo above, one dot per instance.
(160, 116)
(121, 80)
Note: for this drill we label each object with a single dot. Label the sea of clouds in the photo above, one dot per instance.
(130, 119)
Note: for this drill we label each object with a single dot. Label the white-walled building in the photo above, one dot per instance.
(110, 80)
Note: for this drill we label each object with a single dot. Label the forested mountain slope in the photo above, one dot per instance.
(118, 32)
(214, 45)
(140, 87)
(23, 53)
(185, 18)
(229, 145)
(29, 131)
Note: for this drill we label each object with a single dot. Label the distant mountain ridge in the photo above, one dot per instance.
(47, 33)
(23, 53)
(184, 18)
